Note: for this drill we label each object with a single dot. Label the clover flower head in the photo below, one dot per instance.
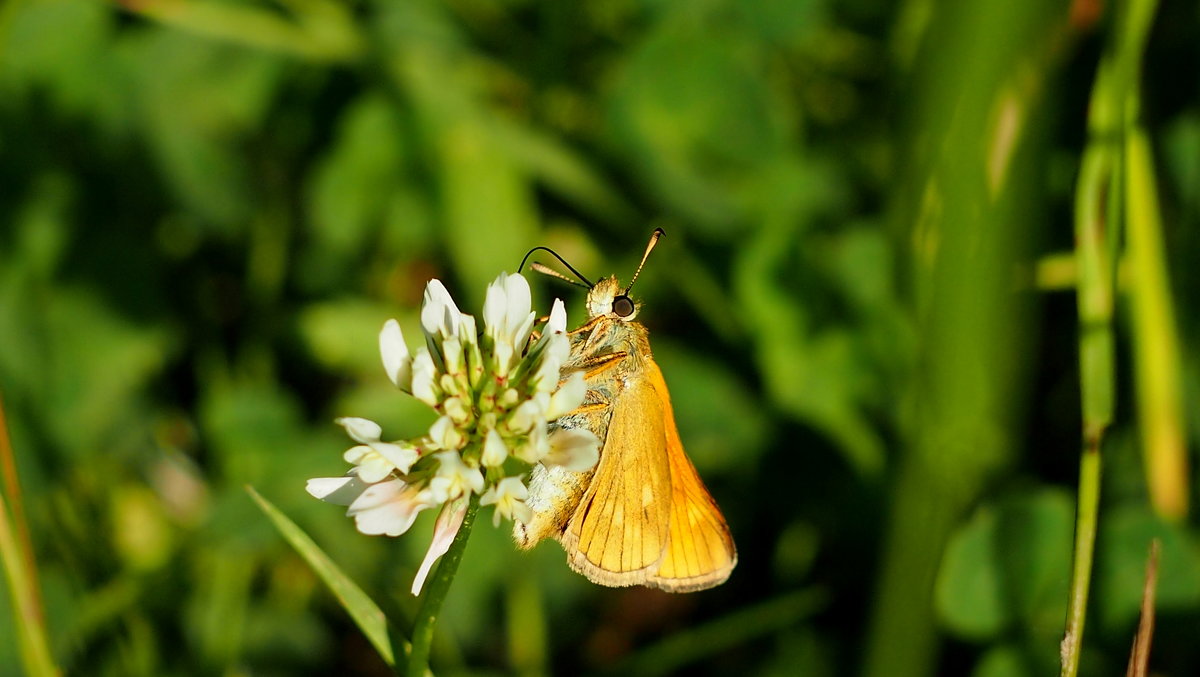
(496, 393)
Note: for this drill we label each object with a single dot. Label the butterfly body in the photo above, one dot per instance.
(642, 516)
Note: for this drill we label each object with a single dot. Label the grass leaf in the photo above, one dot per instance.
(366, 614)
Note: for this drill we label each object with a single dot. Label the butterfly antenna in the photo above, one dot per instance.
(658, 232)
(553, 273)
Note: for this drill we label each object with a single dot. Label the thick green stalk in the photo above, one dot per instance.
(968, 210)
(435, 594)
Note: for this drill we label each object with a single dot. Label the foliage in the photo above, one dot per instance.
(864, 306)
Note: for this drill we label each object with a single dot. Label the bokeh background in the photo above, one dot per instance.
(864, 307)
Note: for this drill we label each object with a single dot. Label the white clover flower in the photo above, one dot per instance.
(494, 451)
(568, 397)
(573, 448)
(424, 378)
(507, 318)
(454, 478)
(337, 490)
(439, 313)
(509, 496)
(375, 459)
(445, 434)
(528, 414)
(453, 352)
(388, 507)
(396, 360)
(444, 530)
(534, 447)
(495, 394)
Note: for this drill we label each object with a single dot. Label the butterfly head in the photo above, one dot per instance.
(607, 298)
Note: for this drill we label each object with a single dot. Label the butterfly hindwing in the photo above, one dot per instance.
(700, 552)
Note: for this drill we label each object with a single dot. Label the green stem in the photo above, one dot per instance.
(20, 570)
(435, 594)
(1085, 545)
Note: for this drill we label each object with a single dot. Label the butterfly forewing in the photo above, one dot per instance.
(619, 531)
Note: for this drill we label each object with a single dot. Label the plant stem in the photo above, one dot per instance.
(1086, 517)
(20, 570)
(435, 594)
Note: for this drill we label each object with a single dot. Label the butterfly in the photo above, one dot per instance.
(642, 516)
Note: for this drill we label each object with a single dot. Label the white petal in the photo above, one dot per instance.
(525, 417)
(456, 409)
(495, 305)
(439, 314)
(514, 488)
(516, 288)
(474, 480)
(466, 330)
(520, 335)
(504, 355)
(374, 468)
(574, 449)
(568, 397)
(336, 490)
(400, 456)
(355, 455)
(546, 377)
(558, 318)
(360, 429)
(388, 508)
(377, 495)
(509, 495)
(392, 519)
(522, 513)
(536, 448)
(494, 451)
(396, 360)
(444, 530)
(452, 352)
(439, 489)
(445, 434)
(424, 387)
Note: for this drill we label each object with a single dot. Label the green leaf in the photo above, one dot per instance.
(366, 614)
(1009, 565)
(1122, 547)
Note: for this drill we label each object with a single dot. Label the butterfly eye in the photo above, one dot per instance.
(622, 306)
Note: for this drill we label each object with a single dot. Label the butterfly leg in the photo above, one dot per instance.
(586, 326)
(596, 365)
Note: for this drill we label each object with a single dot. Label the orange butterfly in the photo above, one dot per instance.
(642, 516)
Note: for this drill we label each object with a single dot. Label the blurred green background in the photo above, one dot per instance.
(864, 308)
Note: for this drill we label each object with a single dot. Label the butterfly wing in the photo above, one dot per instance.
(700, 552)
(647, 518)
(619, 531)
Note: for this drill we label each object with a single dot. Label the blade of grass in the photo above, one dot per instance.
(366, 614)
(1156, 351)
(20, 569)
(1139, 656)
